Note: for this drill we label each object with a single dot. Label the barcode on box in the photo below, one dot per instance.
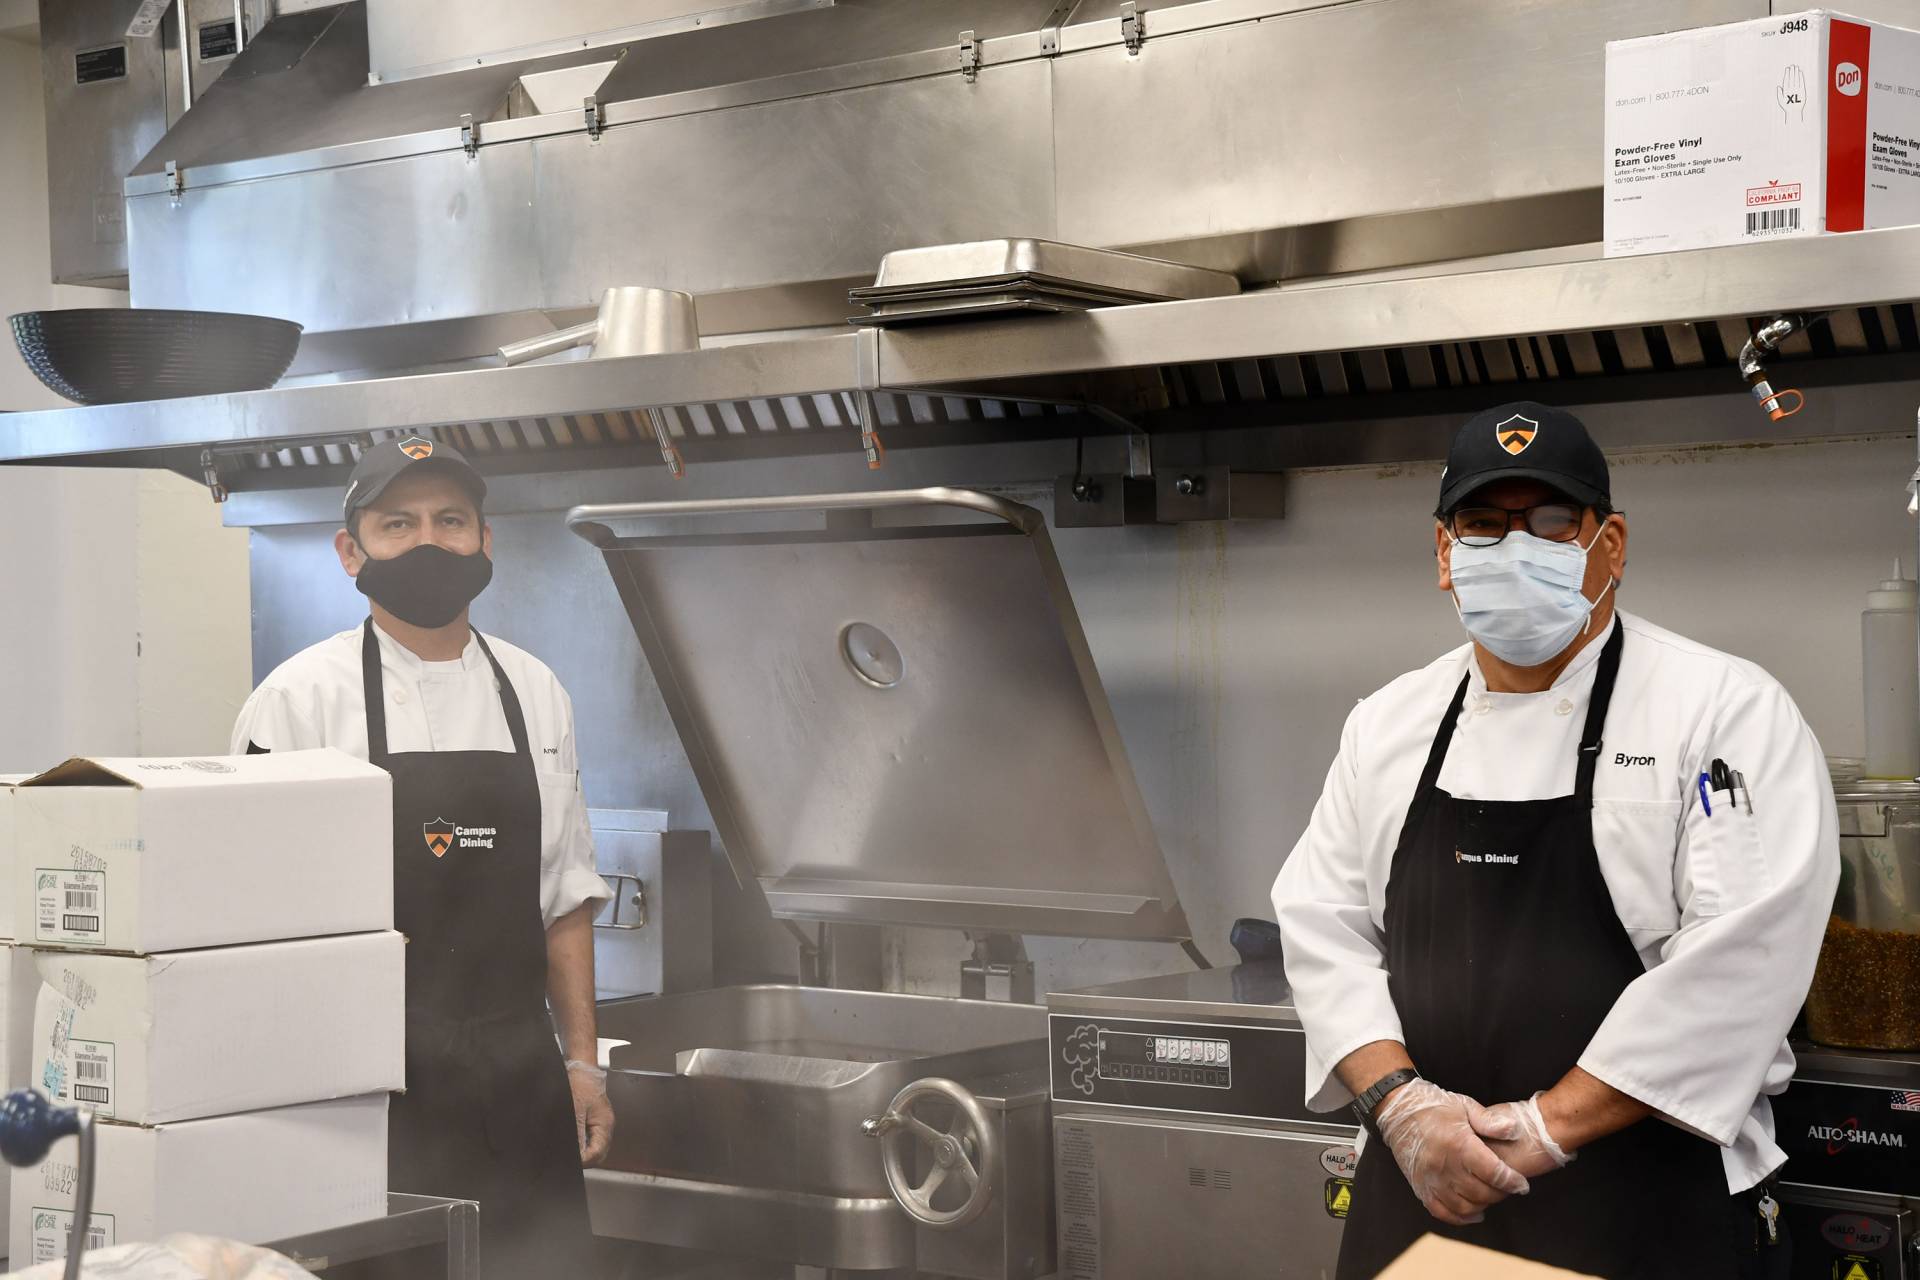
(70, 906)
(93, 1093)
(89, 1068)
(50, 1228)
(1762, 222)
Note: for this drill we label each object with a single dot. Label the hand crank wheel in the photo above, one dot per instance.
(967, 1152)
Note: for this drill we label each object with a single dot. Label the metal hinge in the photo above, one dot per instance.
(969, 56)
(1133, 27)
(210, 472)
(174, 182)
(596, 117)
(866, 380)
(469, 136)
(1051, 24)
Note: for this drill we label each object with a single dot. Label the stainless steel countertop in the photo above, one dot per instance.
(1237, 993)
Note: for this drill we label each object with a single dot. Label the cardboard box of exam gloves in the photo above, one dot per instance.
(160, 854)
(257, 1178)
(1793, 125)
(190, 1034)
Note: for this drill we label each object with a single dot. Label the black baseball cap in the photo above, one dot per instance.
(1525, 440)
(381, 465)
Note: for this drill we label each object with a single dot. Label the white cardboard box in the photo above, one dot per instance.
(190, 1034)
(256, 1178)
(147, 855)
(1792, 125)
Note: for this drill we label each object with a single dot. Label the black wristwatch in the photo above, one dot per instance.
(1376, 1093)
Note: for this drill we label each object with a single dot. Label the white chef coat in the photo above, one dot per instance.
(1727, 911)
(316, 699)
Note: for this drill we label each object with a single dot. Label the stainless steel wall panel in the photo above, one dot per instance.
(802, 190)
(96, 131)
(380, 244)
(1341, 112)
(408, 38)
(811, 189)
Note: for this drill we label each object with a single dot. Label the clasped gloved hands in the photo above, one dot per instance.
(1517, 1133)
(1435, 1139)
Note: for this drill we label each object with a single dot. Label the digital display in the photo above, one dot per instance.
(1166, 1059)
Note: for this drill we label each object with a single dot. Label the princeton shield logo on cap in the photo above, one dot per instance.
(439, 835)
(416, 448)
(1516, 433)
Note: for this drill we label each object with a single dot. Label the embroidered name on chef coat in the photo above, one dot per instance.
(1498, 859)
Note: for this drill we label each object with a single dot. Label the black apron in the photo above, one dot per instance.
(488, 1114)
(1502, 972)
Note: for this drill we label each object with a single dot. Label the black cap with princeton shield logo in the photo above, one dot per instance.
(381, 465)
(1525, 440)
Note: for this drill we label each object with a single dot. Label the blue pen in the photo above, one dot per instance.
(1704, 802)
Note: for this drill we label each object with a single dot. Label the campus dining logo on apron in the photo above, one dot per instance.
(416, 448)
(439, 836)
(1516, 433)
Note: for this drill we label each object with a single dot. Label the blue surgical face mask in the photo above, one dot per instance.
(1521, 597)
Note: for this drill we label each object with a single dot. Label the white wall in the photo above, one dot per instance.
(1232, 652)
(124, 626)
(124, 617)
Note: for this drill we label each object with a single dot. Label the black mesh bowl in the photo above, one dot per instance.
(106, 355)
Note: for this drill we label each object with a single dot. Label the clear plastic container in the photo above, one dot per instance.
(1866, 989)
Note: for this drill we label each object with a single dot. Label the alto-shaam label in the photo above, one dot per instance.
(52, 1227)
(70, 906)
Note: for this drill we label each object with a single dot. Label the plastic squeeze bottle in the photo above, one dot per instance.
(1890, 672)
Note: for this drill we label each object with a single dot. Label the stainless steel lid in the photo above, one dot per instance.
(892, 710)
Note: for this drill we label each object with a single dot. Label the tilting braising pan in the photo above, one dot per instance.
(894, 718)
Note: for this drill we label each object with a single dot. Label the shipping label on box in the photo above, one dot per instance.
(152, 855)
(190, 1034)
(1786, 126)
(257, 1178)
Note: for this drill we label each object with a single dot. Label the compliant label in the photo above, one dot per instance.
(51, 1227)
(70, 906)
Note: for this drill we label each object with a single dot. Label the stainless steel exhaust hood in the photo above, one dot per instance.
(756, 157)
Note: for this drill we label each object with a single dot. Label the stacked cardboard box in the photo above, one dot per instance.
(206, 960)
(1796, 125)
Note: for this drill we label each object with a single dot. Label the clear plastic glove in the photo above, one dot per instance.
(592, 1113)
(1517, 1132)
(1452, 1172)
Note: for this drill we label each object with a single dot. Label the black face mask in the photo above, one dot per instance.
(426, 585)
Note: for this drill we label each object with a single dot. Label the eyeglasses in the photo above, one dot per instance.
(1488, 526)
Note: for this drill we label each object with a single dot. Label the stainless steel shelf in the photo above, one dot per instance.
(1300, 353)
(340, 409)
(411, 1222)
(1856, 270)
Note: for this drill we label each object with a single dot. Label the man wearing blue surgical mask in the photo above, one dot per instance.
(1560, 902)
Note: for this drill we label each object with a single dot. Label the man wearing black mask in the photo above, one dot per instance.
(494, 881)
